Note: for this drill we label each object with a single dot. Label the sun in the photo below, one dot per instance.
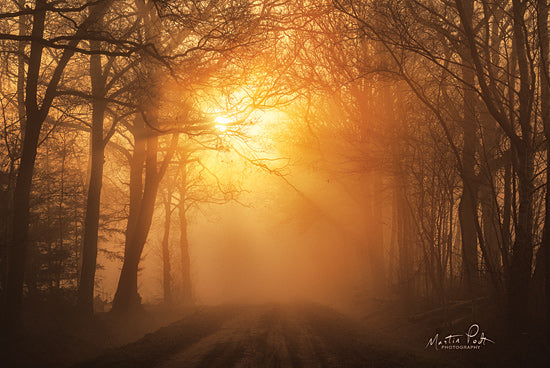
(222, 122)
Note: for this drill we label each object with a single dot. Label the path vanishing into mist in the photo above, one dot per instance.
(262, 336)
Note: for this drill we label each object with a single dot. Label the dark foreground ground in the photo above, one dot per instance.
(260, 336)
(270, 335)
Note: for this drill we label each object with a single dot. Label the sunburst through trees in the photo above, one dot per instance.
(366, 155)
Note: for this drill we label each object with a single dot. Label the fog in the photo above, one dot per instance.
(295, 238)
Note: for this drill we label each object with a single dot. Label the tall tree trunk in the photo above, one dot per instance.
(166, 269)
(33, 125)
(7, 207)
(519, 278)
(487, 198)
(489, 220)
(405, 246)
(127, 297)
(468, 202)
(97, 157)
(544, 252)
(375, 236)
(187, 291)
(522, 250)
(136, 183)
(140, 218)
(404, 235)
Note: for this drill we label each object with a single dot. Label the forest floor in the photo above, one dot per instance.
(268, 335)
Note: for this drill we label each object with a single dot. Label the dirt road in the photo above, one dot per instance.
(262, 336)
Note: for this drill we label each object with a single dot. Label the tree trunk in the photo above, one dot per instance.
(18, 249)
(127, 297)
(544, 252)
(375, 236)
(33, 125)
(405, 246)
(91, 222)
(468, 203)
(142, 207)
(522, 250)
(489, 220)
(167, 279)
(187, 291)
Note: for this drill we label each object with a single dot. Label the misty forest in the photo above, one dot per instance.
(274, 183)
